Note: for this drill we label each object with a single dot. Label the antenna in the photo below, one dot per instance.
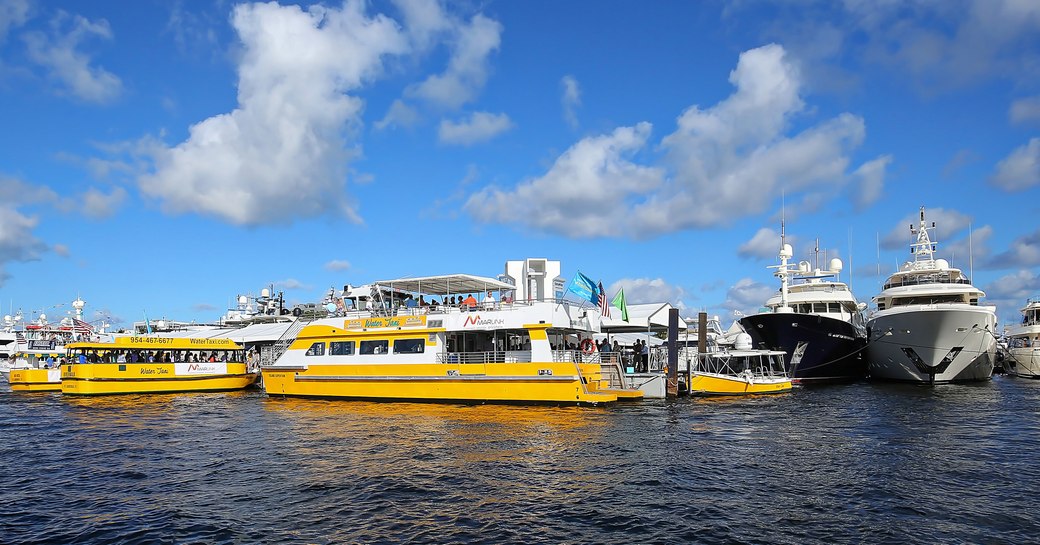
(971, 256)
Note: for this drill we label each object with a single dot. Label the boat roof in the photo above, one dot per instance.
(447, 284)
(160, 343)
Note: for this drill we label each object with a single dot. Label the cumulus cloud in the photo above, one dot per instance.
(1025, 110)
(337, 265)
(947, 223)
(1010, 293)
(570, 100)
(648, 290)
(582, 195)
(747, 296)
(871, 181)
(99, 205)
(1019, 170)
(973, 247)
(764, 245)
(59, 53)
(478, 127)
(1024, 251)
(203, 307)
(17, 241)
(725, 162)
(400, 114)
(61, 250)
(468, 67)
(290, 284)
(13, 14)
(281, 153)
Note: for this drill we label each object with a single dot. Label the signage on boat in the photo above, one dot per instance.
(200, 368)
(475, 320)
(176, 340)
(41, 345)
(393, 321)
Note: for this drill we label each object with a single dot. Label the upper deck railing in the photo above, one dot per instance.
(919, 279)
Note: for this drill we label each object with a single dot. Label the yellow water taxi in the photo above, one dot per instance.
(139, 364)
(740, 372)
(34, 379)
(450, 339)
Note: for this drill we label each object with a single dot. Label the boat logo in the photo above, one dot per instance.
(475, 320)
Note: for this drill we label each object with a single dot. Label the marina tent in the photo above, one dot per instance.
(641, 319)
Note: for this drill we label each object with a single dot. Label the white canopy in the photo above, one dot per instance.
(447, 284)
(641, 318)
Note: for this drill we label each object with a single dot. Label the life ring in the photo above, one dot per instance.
(587, 346)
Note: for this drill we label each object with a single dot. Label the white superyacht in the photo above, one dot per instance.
(1024, 342)
(929, 326)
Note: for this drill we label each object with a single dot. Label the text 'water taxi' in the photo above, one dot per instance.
(449, 338)
(155, 365)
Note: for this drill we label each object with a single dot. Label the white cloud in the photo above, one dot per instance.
(13, 14)
(61, 250)
(648, 290)
(290, 284)
(871, 179)
(728, 161)
(747, 296)
(478, 127)
(1010, 293)
(98, 205)
(337, 265)
(764, 245)
(424, 21)
(17, 242)
(400, 114)
(1019, 170)
(583, 193)
(972, 249)
(60, 54)
(570, 100)
(282, 152)
(1024, 251)
(1025, 110)
(467, 69)
(947, 223)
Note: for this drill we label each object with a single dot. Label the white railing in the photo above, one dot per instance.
(510, 356)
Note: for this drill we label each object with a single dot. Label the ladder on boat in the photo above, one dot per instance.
(271, 354)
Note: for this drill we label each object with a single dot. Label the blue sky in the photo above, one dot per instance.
(162, 157)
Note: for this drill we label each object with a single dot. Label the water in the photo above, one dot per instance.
(854, 463)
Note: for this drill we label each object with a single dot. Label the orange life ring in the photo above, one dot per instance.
(587, 346)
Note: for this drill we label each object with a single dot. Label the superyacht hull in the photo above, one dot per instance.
(816, 348)
(932, 343)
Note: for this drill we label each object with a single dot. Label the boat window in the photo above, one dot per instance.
(316, 349)
(819, 307)
(409, 346)
(834, 307)
(341, 348)
(373, 347)
(805, 308)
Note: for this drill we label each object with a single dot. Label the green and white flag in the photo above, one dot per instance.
(619, 302)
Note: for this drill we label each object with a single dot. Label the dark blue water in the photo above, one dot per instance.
(855, 463)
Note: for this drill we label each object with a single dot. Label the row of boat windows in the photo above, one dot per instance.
(346, 348)
(83, 355)
(927, 300)
(811, 308)
(926, 279)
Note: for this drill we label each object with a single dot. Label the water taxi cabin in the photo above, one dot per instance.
(137, 364)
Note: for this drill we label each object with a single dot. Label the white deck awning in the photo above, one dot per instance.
(641, 318)
(447, 284)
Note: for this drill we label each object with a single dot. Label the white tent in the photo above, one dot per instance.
(641, 319)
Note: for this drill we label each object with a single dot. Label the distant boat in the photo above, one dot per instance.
(739, 370)
(815, 321)
(1024, 342)
(929, 326)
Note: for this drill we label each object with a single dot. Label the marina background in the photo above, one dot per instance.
(169, 137)
(874, 462)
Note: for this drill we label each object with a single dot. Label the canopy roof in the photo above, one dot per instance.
(641, 318)
(447, 284)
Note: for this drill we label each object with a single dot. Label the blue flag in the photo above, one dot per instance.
(585, 288)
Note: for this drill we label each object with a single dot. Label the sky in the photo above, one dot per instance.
(159, 158)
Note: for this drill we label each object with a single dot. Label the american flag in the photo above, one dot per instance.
(81, 327)
(604, 308)
(19, 337)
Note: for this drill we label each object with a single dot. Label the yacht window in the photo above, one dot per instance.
(316, 349)
(341, 348)
(819, 307)
(805, 308)
(881, 306)
(374, 347)
(409, 346)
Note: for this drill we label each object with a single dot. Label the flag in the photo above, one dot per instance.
(81, 327)
(619, 302)
(147, 324)
(584, 287)
(603, 308)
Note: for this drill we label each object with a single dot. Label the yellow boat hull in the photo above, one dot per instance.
(35, 380)
(709, 384)
(559, 383)
(139, 378)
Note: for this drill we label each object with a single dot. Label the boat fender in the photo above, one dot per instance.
(749, 377)
(587, 346)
